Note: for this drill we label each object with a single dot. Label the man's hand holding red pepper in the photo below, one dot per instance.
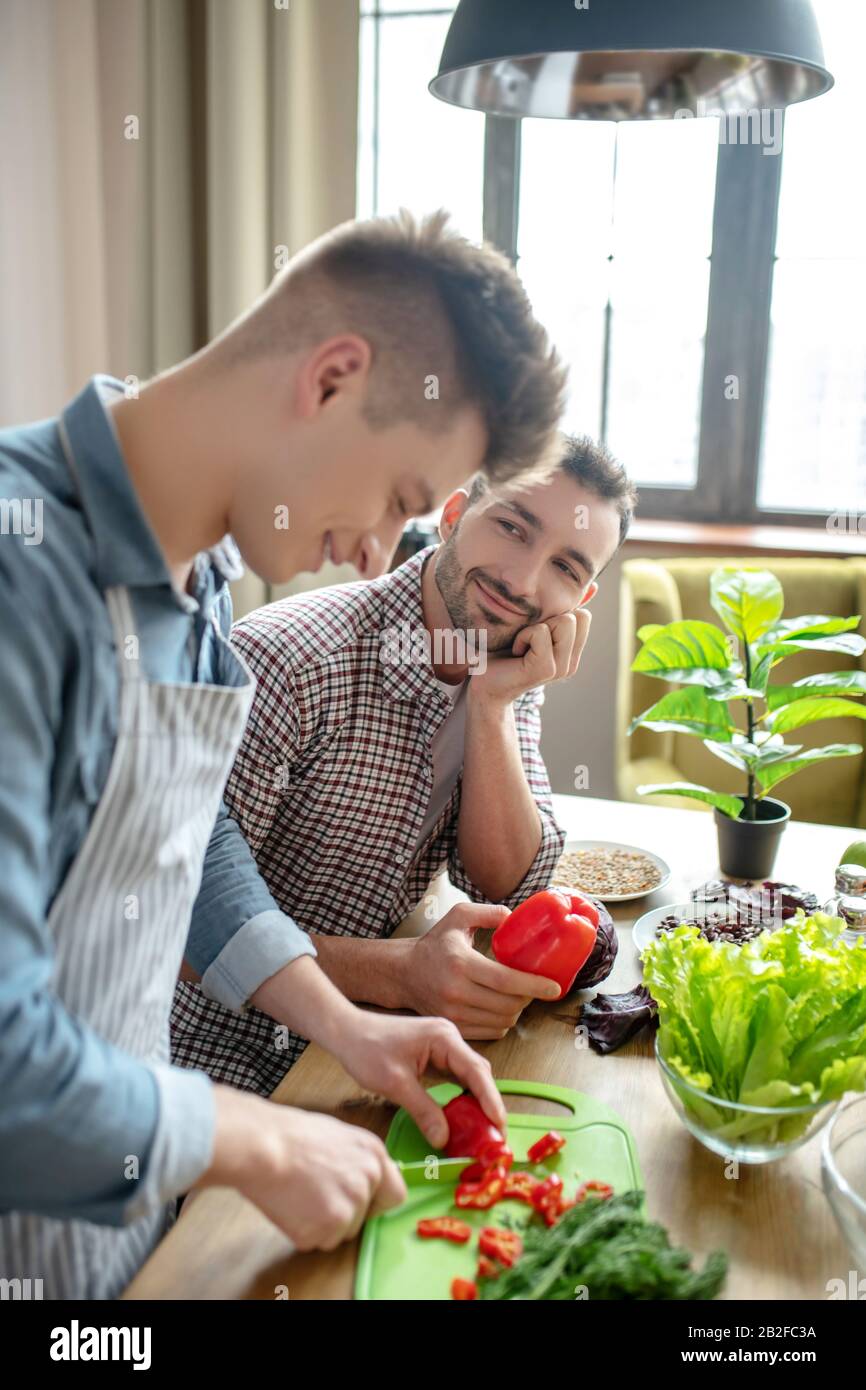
(444, 975)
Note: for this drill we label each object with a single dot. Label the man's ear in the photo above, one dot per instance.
(452, 512)
(592, 590)
(340, 364)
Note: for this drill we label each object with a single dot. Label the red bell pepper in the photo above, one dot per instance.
(548, 1144)
(463, 1289)
(469, 1129)
(552, 934)
(500, 1245)
(487, 1268)
(444, 1228)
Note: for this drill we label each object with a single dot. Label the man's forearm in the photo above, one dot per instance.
(312, 1002)
(499, 828)
(301, 996)
(369, 972)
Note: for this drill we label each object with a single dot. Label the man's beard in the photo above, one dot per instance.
(453, 585)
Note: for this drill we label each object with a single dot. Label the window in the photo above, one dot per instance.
(414, 151)
(814, 441)
(615, 233)
(708, 293)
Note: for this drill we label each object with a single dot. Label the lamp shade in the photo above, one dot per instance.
(630, 59)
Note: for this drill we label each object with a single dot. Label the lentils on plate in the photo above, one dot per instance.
(606, 872)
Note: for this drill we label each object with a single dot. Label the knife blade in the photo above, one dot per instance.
(443, 1170)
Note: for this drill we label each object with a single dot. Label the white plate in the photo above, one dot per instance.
(664, 869)
(645, 927)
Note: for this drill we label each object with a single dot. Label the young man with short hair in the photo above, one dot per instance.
(122, 705)
(380, 751)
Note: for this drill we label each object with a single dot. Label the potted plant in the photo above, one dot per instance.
(717, 670)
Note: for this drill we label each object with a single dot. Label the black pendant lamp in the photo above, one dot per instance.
(613, 60)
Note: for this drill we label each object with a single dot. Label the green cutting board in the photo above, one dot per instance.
(395, 1263)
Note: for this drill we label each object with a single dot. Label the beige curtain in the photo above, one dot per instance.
(156, 156)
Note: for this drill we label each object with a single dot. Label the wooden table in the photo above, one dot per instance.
(772, 1220)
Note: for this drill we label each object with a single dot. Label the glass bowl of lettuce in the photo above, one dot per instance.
(758, 1043)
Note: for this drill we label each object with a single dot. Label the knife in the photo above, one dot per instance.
(432, 1170)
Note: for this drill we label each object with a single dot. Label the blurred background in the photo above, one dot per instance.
(162, 158)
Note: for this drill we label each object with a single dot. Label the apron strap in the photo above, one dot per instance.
(125, 633)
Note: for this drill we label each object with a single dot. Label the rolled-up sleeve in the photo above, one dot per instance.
(527, 716)
(238, 935)
(73, 1108)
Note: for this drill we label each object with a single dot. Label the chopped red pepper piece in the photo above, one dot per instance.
(484, 1194)
(550, 1190)
(496, 1156)
(495, 1151)
(521, 1186)
(463, 1289)
(547, 1199)
(600, 1189)
(498, 1244)
(444, 1228)
(487, 1268)
(548, 1144)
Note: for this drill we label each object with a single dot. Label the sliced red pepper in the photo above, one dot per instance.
(484, 1194)
(548, 1144)
(521, 1186)
(487, 1268)
(498, 1156)
(444, 1228)
(548, 1192)
(600, 1189)
(501, 1245)
(463, 1289)
(495, 1151)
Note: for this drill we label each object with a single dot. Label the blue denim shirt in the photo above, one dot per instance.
(67, 1098)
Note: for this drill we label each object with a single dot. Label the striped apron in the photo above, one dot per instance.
(120, 921)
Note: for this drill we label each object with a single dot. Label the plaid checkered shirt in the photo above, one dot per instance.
(331, 786)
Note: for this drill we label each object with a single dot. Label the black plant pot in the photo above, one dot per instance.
(747, 848)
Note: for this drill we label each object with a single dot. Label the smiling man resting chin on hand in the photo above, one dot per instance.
(394, 734)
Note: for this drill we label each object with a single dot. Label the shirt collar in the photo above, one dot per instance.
(127, 552)
(404, 641)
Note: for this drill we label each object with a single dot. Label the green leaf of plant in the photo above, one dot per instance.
(728, 754)
(648, 630)
(750, 757)
(749, 601)
(851, 683)
(732, 805)
(849, 643)
(692, 653)
(779, 771)
(760, 674)
(687, 711)
(815, 624)
(801, 712)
